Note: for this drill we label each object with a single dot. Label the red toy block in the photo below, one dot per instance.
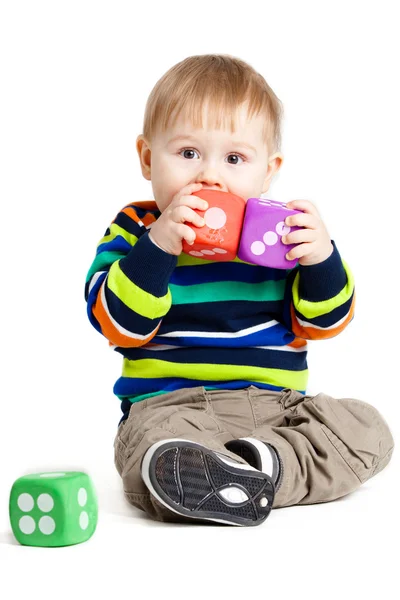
(219, 238)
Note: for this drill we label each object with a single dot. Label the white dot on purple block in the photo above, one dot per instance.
(215, 218)
(270, 238)
(281, 228)
(257, 248)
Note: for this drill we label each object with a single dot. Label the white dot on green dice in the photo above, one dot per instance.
(27, 525)
(25, 502)
(45, 502)
(84, 520)
(47, 525)
(82, 497)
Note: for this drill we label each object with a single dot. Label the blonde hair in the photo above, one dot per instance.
(220, 79)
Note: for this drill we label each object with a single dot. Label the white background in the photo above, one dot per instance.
(75, 77)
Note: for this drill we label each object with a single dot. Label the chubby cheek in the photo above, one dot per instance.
(246, 185)
(245, 194)
(161, 194)
(164, 190)
(167, 181)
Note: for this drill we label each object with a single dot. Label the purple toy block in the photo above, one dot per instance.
(263, 227)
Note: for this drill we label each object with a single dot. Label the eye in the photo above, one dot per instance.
(238, 156)
(190, 150)
(187, 150)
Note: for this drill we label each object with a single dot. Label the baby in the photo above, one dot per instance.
(216, 422)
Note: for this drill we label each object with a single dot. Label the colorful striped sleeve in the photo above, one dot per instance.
(319, 299)
(126, 288)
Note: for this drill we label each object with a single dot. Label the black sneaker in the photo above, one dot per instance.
(260, 455)
(196, 482)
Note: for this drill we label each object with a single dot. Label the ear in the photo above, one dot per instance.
(274, 164)
(144, 151)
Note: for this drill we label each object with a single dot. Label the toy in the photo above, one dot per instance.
(252, 231)
(219, 238)
(263, 228)
(53, 509)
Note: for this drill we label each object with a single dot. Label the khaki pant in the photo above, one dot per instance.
(328, 446)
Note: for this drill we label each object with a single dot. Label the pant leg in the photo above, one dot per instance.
(329, 447)
(185, 413)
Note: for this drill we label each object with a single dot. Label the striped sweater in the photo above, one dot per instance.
(185, 321)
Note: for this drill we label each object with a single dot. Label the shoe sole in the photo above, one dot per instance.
(195, 482)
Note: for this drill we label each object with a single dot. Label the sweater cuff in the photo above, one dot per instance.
(324, 280)
(148, 266)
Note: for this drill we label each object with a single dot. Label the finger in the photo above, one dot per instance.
(300, 236)
(193, 202)
(185, 233)
(303, 220)
(182, 214)
(304, 205)
(187, 190)
(300, 250)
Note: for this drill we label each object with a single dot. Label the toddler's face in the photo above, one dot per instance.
(238, 163)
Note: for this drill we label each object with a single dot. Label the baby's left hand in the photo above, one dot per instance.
(314, 241)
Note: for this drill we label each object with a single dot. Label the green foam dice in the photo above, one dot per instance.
(53, 509)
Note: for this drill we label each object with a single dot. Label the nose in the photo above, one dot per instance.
(210, 178)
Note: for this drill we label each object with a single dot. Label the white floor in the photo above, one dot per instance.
(338, 550)
(342, 549)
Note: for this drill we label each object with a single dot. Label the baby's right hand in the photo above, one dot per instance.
(169, 229)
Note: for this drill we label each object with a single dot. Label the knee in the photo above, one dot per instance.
(377, 441)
